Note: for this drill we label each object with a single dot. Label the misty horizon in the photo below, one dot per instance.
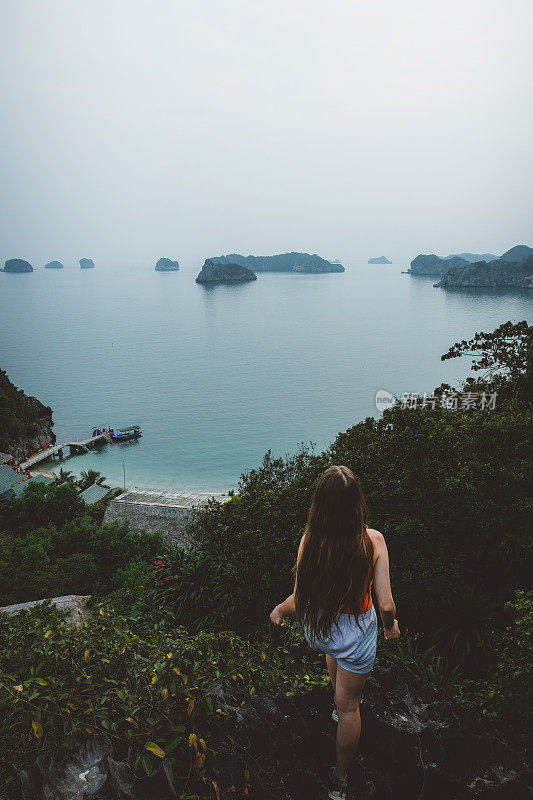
(134, 131)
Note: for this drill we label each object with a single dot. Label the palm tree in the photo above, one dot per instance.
(62, 476)
(88, 477)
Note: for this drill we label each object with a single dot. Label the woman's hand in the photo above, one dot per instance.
(391, 633)
(277, 617)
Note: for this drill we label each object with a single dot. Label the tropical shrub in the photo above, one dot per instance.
(155, 692)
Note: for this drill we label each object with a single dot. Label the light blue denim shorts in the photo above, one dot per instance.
(353, 647)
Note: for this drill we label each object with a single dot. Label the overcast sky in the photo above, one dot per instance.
(350, 128)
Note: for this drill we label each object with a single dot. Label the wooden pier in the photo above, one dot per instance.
(57, 449)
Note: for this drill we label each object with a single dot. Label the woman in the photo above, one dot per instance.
(339, 560)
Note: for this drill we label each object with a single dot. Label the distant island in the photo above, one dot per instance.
(224, 273)
(17, 265)
(435, 265)
(283, 262)
(517, 253)
(473, 258)
(53, 265)
(379, 260)
(86, 263)
(167, 265)
(438, 266)
(506, 271)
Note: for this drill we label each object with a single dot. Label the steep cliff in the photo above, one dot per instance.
(25, 423)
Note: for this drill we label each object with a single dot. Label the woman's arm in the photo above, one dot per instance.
(382, 587)
(277, 616)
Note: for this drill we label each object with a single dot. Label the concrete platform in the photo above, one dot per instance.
(165, 511)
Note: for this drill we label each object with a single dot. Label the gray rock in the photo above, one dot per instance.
(53, 265)
(126, 785)
(17, 265)
(283, 262)
(86, 263)
(495, 274)
(91, 772)
(73, 605)
(167, 265)
(43, 434)
(224, 273)
(379, 260)
(78, 777)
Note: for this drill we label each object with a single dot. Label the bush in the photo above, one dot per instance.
(80, 557)
(139, 682)
(40, 505)
(509, 691)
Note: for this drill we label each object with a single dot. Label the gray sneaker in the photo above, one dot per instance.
(337, 788)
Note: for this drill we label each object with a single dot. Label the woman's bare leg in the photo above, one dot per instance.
(348, 690)
(332, 669)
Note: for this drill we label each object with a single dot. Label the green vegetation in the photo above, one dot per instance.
(52, 544)
(153, 694)
(20, 416)
(90, 476)
(172, 629)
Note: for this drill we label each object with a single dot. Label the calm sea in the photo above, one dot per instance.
(218, 375)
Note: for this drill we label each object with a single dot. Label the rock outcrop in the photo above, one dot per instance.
(472, 258)
(167, 265)
(86, 263)
(495, 274)
(283, 262)
(17, 265)
(25, 423)
(435, 265)
(227, 272)
(379, 260)
(54, 265)
(74, 606)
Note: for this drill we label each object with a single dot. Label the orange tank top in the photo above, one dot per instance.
(364, 606)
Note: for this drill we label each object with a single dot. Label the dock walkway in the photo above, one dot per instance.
(75, 447)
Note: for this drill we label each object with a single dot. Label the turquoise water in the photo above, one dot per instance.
(218, 375)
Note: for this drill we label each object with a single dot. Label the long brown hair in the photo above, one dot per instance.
(335, 566)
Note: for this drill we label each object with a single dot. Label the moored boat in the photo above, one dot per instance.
(125, 434)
